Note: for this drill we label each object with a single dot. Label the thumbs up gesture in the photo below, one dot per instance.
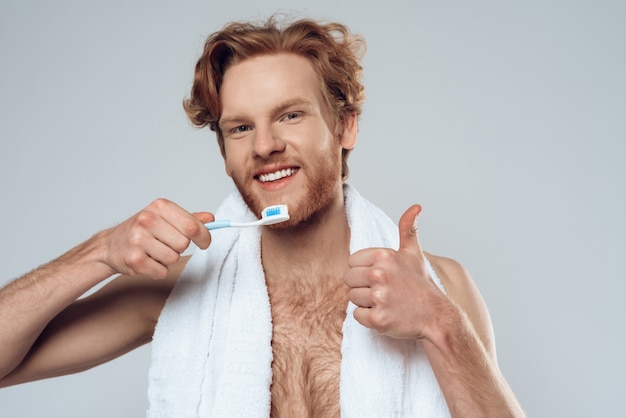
(393, 290)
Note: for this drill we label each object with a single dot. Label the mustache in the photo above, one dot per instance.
(261, 165)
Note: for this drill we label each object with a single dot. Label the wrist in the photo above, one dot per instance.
(448, 326)
(89, 259)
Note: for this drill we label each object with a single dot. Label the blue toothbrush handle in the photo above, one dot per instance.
(224, 223)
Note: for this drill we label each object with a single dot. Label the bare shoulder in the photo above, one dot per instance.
(461, 289)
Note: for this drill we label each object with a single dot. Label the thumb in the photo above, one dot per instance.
(204, 217)
(407, 226)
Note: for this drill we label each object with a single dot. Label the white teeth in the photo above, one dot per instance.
(277, 175)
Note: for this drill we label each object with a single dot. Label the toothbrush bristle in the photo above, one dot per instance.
(275, 214)
(272, 211)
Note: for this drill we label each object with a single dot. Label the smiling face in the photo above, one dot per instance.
(278, 136)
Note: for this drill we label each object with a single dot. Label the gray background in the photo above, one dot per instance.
(505, 120)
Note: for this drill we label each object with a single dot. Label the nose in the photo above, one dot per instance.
(266, 142)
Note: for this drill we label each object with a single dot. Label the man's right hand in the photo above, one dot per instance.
(47, 329)
(153, 239)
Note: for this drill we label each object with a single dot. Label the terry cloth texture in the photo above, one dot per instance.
(212, 353)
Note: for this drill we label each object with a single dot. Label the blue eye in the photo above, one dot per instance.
(241, 128)
(291, 116)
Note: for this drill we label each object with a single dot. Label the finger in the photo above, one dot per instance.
(362, 316)
(361, 297)
(171, 237)
(203, 240)
(357, 277)
(152, 269)
(186, 223)
(152, 226)
(162, 253)
(204, 217)
(140, 261)
(407, 226)
(367, 257)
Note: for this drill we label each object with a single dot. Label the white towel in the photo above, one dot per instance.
(212, 354)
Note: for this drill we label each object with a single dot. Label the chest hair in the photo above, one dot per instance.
(307, 317)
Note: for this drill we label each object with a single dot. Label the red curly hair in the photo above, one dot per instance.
(332, 49)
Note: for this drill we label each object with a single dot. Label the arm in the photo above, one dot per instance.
(396, 296)
(461, 349)
(45, 331)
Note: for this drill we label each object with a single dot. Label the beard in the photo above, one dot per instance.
(323, 174)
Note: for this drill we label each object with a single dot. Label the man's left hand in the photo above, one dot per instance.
(393, 290)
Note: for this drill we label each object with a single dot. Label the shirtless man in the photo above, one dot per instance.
(285, 124)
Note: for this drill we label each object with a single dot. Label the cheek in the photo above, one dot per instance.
(228, 165)
(231, 168)
(232, 160)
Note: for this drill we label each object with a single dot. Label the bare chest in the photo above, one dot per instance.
(306, 344)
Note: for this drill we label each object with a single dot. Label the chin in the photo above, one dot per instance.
(309, 202)
(309, 211)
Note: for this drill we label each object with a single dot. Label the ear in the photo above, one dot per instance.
(350, 129)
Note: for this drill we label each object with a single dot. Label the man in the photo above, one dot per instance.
(316, 316)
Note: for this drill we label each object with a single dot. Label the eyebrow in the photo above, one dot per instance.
(278, 109)
(297, 101)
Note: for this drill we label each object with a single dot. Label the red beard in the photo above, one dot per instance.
(323, 173)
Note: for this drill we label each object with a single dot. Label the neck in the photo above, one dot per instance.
(320, 245)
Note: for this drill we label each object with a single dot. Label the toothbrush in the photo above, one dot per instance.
(269, 216)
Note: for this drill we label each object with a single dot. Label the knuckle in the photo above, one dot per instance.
(160, 203)
(383, 255)
(379, 296)
(146, 219)
(378, 275)
(191, 229)
(379, 320)
(134, 260)
(136, 239)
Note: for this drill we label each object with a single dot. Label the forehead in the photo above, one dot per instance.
(267, 80)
